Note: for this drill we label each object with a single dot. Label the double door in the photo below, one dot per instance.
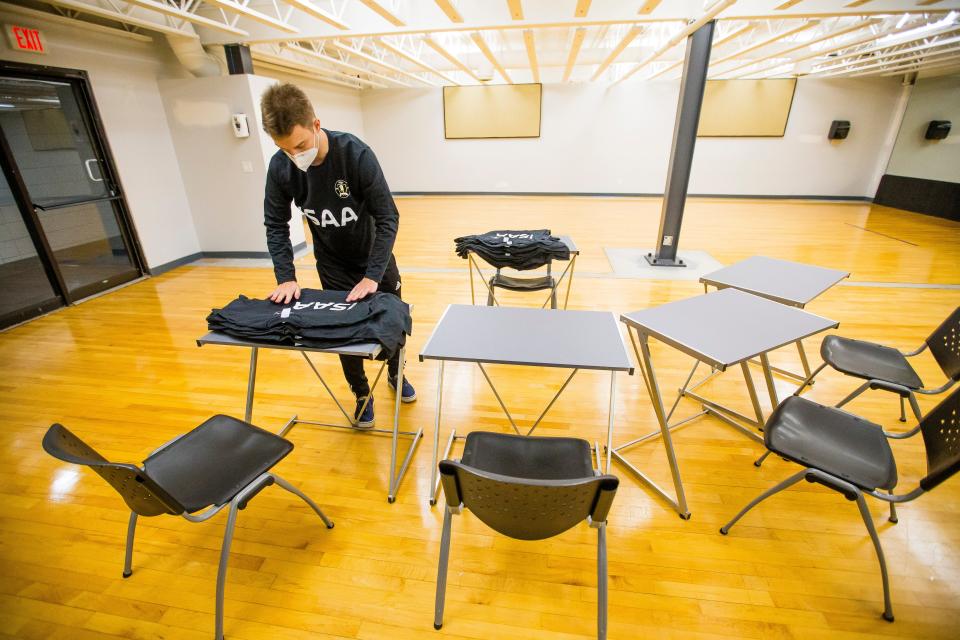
(65, 232)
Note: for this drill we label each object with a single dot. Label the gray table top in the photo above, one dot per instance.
(532, 337)
(365, 350)
(792, 283)
(567, 240)
(726, 327)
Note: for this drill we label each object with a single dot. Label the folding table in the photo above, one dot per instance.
(721, 329)
(526, 337)
(517, 283)
(368, 351)
(791, 283)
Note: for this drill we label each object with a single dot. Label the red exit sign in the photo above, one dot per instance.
(25, 39)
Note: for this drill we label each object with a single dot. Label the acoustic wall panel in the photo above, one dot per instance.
(746, 108)
(494, 111)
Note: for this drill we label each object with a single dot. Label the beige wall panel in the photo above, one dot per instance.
(496, 111)
(746, 108)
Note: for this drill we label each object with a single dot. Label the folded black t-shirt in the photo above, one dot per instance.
(515, 249)
(320, 318)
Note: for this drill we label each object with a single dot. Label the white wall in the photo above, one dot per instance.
(597, 139)
(915, 157)
(338, 108)
(224, 175)
(123, 75)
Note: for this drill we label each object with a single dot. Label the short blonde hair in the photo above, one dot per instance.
(283, 107)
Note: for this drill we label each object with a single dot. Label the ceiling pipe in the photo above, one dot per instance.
(191, 54)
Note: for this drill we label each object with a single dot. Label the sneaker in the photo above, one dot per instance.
(408, 394)
(365, 419)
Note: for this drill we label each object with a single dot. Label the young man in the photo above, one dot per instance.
(335, 179)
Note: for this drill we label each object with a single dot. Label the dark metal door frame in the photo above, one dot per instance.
(80, 83)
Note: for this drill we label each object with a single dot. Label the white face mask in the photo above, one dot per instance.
(304, 159)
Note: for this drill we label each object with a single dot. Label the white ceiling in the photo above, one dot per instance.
(391, 43)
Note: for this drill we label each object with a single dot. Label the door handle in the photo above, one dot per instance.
(86, 164)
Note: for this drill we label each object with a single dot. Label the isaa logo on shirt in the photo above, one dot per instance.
(342, 189)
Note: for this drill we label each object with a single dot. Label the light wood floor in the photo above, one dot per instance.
(123, 372)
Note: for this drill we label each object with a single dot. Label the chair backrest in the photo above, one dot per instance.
(528, 509)
(944, 344)
(941, 436)
(141, 494)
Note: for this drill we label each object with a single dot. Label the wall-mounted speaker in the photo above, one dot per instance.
(937, 130)
(839, 130)
(238, 57)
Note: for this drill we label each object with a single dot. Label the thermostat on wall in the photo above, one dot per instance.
(240, 127)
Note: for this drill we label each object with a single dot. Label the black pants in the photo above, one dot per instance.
(335, 279)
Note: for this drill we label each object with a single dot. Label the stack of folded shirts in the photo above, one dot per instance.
(320, 319)
(521, 250)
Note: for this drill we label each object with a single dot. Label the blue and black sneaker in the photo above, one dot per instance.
(365, 419)
(408, 393)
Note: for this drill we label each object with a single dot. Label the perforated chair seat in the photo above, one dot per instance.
(522, 284)
(869, 361)
(212, 463)
(833, 441)
(524, 457)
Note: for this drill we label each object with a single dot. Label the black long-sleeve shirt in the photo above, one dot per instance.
(353, 218)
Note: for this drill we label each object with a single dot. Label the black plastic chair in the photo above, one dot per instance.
(529, 488)
(853, 457)
(514, 283)
(888, 369)
(222, 462)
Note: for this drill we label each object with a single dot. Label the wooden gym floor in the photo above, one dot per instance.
(124, 373)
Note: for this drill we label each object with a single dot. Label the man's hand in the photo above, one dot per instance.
(285, 292)
(364, 288)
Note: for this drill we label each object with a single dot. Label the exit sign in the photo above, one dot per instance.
(25, 38)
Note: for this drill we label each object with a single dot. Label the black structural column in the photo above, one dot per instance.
(695, 63)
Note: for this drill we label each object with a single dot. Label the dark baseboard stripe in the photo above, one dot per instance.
(173, 264)
(629, 195)
(932, 197)
(254, 255)
(193, 257)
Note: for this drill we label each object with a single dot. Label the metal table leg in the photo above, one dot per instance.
(473, 299)
(434, 474)
(566, 297)
(752, 390)
(803, 358)
(251, 384)
(613, 402)
(649, 375)
(720, 411)
(768, 377)
(396, 477)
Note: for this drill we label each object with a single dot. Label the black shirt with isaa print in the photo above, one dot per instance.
(351, 213)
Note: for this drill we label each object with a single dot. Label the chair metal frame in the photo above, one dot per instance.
(854, 493)
(597, 519)
(850, 492)
(491, 283)
(901, 390)
(237, 503)
(905, 393)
